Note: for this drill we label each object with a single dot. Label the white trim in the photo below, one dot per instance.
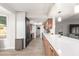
(7, 48)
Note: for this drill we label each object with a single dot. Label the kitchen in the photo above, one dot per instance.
(44, 28)
(64, 40)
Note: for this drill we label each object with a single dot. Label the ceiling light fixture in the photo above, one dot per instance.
(59, 19)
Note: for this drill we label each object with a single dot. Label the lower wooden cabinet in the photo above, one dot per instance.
(46, 47)
(53, 52)
(49, 50)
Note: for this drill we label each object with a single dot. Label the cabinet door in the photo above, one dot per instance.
(49, 50)
(50, 22)
(53, 52)
(46, 47)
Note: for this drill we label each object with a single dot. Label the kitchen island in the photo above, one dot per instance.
(56, 45)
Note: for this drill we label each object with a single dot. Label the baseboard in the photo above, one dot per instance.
(11, 48)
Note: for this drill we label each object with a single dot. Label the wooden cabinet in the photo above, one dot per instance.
(48, 24)
(49, 50)
(46, 47)
(53, 52)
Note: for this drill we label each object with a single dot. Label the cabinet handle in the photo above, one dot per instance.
(54, 53)
(51, 49)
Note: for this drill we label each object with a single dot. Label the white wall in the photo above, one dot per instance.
(63, 26)
(34, 30)
(15, 28)
(20, 25)
(41, 31)
(9, 41)
(67, 9)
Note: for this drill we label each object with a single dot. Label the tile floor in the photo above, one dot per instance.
(35, 48)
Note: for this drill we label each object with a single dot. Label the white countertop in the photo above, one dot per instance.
(64, 46)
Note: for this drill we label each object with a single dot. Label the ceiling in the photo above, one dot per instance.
(31, 8)
(39, 11)
(35, 11)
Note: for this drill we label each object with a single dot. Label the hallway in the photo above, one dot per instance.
(35, 48)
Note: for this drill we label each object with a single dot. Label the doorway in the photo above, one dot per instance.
(37, 31)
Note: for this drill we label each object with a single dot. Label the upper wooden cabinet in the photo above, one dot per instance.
(48, 24)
